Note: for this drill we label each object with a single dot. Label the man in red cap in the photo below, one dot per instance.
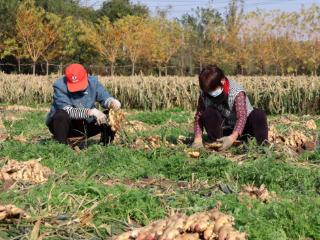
(73, 112)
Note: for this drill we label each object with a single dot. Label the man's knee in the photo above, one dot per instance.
(61, 116)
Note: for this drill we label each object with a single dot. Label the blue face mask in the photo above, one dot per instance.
(216, 92)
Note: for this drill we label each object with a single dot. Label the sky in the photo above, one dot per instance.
(179, 7)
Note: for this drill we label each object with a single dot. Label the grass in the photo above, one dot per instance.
(77, 183)
(159, 117)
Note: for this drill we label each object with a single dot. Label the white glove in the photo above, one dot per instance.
(226, 142)
(114, 104)
(100, 116)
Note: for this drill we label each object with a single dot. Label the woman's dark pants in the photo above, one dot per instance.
(256, 125)
(62, 128)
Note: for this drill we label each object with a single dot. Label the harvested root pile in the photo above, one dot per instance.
(212, 225)
(115, 119)
(30, 171)
(11, 211)
(260, 193)
(311, 125)
(135, 126)
(151, 142)
(296, 140)
(297, 134)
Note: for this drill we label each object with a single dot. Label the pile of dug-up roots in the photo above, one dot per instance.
(211, 225)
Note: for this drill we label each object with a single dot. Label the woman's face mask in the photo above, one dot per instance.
(216, 92)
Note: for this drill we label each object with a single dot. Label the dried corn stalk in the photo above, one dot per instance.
(30, 171)
(211, 225)
(260, 193)
(10, 211)
(295, 94)
(115, 119)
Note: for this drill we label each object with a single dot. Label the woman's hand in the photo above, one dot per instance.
(228, 141)
(197, 143)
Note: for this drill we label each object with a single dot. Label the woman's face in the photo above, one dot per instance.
(217, 91)
(217, 87)
(222, 83)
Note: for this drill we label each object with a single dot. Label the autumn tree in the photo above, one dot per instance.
(54, 49)
(253, 33)
(277, 41)
(104, 38)
(199, 27)
(135, 35)
(35, 31)
(234, 43)
(311, 25)
(167, 39)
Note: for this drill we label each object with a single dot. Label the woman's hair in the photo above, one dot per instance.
(210, 78)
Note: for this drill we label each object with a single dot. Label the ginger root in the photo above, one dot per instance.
(30, 171)
(10, 211)
(211, 225)
(115, 119)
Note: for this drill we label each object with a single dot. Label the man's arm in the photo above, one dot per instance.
(62, 101)
(103, 96)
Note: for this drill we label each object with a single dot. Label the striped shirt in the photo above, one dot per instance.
(77, 113)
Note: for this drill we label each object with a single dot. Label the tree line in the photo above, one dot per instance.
(121, 34)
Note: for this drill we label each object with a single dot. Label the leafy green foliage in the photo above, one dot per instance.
(116, 9)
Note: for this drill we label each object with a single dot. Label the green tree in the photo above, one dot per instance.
(7, 18)
(167, 39)
(67, 8)
(75, 47)
(116, 9)
(13, 48)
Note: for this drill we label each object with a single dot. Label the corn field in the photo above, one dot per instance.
(274, 94)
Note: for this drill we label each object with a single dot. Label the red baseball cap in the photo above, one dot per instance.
(77, 78)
